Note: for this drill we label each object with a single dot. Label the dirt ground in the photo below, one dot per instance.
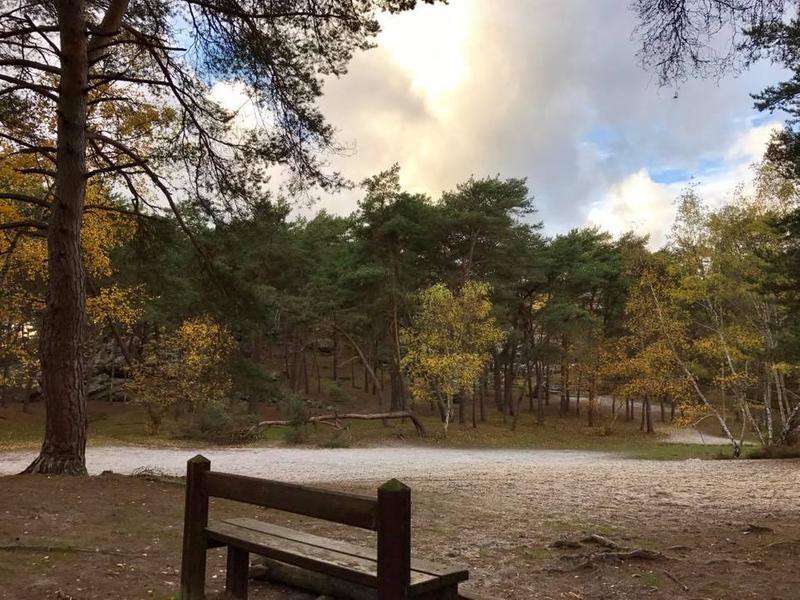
(726, 529)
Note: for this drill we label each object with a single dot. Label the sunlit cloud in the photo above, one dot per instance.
(550, 91)
(645, 206)
(430, 45)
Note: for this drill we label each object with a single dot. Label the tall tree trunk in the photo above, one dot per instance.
(26, 397)
(398, 385)
(335, 365)
(64, 446)
(305, 371)
(483, 392)
(361, 355)
(768, 407)
(113, 370)
(474, 407)
(316, 367)
(547, 373)
(375, 367)
(529, 378)
(564, 375)
(644, 412)
(541, 392)
(592, 402)
(647, 416)
(508, 388)
(496, 380)
(4, 388)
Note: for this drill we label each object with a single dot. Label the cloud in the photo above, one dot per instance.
(638, 204)
(645, 203)
(551, 91)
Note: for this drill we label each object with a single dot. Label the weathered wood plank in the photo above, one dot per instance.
(275, 571)
(348, 509)
(279, 572)
(448, 574)
(330, 562)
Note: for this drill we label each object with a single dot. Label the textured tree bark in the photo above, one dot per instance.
(496, 380)
(4, 387)
(335, 366)
(64, 446)
(508, 383)
(548, 371)
(484, 385)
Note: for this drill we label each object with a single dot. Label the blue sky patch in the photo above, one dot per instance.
(670, 175)
(602, 137)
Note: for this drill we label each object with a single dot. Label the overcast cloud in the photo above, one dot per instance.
(548, 90)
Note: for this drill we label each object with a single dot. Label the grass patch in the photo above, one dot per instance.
(775, 452)
(664, 451)
(126, 424)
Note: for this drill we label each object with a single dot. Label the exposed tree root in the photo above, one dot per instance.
(57, 464)
(613, 551)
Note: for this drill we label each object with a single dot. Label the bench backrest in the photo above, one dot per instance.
(347, 509)
(389, 515)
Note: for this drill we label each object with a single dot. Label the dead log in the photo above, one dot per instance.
(335, 418)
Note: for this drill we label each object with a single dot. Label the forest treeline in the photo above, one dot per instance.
(449, 302)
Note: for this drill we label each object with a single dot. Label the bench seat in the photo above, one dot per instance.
(337, 559)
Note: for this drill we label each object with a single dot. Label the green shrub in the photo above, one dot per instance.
(775, 452)
(340, 439)
(219, 423)
(338, 395)
(296, 412)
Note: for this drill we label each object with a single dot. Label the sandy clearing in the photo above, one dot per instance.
(326, 465)
(496, 511)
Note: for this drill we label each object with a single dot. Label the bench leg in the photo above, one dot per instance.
(450, 593)
(237, 572)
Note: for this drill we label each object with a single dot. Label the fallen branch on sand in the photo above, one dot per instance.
(601, 541)
(612, 551)
(676, 580)
(334, 420)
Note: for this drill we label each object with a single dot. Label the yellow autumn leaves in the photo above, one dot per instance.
(450, 343)
(187, 367)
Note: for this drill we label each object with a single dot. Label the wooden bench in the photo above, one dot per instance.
(389, 570)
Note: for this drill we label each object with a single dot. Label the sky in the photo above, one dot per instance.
(549, 90)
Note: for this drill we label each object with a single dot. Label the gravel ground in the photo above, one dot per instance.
(497, 511)
(321, 465)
